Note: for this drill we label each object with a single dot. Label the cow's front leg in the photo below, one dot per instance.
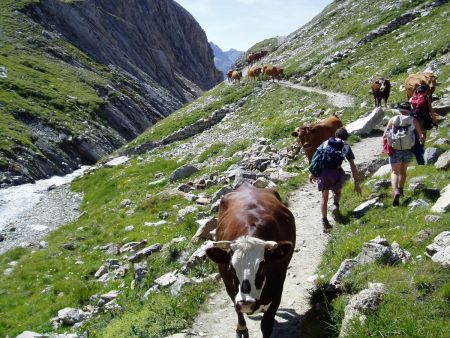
(241, 330)
(268, 321)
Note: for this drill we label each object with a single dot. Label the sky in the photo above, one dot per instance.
(239, 24)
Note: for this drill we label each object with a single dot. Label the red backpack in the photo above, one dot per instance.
(419, 103)
(420, 110)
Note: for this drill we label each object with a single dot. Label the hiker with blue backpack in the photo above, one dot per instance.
(326, 169)
(401, 133)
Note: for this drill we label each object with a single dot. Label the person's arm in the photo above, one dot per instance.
(389, 126)
(355, 176)
(419, 130)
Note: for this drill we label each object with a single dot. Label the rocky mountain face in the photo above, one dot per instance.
(151, 57)
(224, 60)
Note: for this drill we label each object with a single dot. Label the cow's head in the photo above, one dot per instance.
(247, 259)
(304, 136)
(382, 84)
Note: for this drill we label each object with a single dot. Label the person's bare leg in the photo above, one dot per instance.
(324, 203)
(395, 180)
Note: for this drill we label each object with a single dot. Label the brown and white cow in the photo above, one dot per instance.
(381, 89)
(255, 241)
(311, 136)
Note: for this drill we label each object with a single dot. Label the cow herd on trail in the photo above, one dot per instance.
(255, 72)
(255, 235)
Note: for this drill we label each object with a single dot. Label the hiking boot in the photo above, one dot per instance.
(396, 200)
(326, 224)
(335, 212)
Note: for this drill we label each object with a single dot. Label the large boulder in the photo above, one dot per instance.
(439, 250)
(367, 123)
(431, 155)
(443, 161)
(183, 172)
(442, 205)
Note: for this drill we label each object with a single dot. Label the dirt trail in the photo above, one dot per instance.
(336, 99)
(218, 318)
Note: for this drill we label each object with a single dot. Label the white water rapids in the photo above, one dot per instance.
(17, 201)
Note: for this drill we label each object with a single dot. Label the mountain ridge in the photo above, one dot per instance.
(130, 76)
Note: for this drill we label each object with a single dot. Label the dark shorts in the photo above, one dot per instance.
(331, 179)
(401, 156)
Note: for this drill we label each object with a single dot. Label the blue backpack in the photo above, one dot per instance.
(330, 155)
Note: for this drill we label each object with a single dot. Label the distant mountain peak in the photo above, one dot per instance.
(224, 60)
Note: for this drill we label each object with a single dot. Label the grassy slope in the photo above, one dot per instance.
(40, 86)
(22, 306)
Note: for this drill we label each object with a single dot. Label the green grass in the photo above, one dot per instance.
(417, 303)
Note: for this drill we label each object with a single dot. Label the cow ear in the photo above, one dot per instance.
(219, 256)
(280, 251)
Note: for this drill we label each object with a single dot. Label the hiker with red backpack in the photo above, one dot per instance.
(422, 110)
(401, 134)
(326, 169)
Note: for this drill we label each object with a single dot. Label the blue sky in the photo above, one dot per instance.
(241, 23)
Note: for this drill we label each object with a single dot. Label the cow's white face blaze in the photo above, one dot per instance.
(248, 264)
(382, 85)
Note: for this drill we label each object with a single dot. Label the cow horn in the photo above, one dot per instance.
(271, 245)
(222, 244)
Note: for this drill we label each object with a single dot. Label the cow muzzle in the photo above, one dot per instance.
(247, 307)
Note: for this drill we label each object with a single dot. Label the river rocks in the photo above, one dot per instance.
(205, 226)
(367, 123)
(366, 300)
(443, 161)
(183, 172)
(442, 205)
(431, 155)
(439, 250)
